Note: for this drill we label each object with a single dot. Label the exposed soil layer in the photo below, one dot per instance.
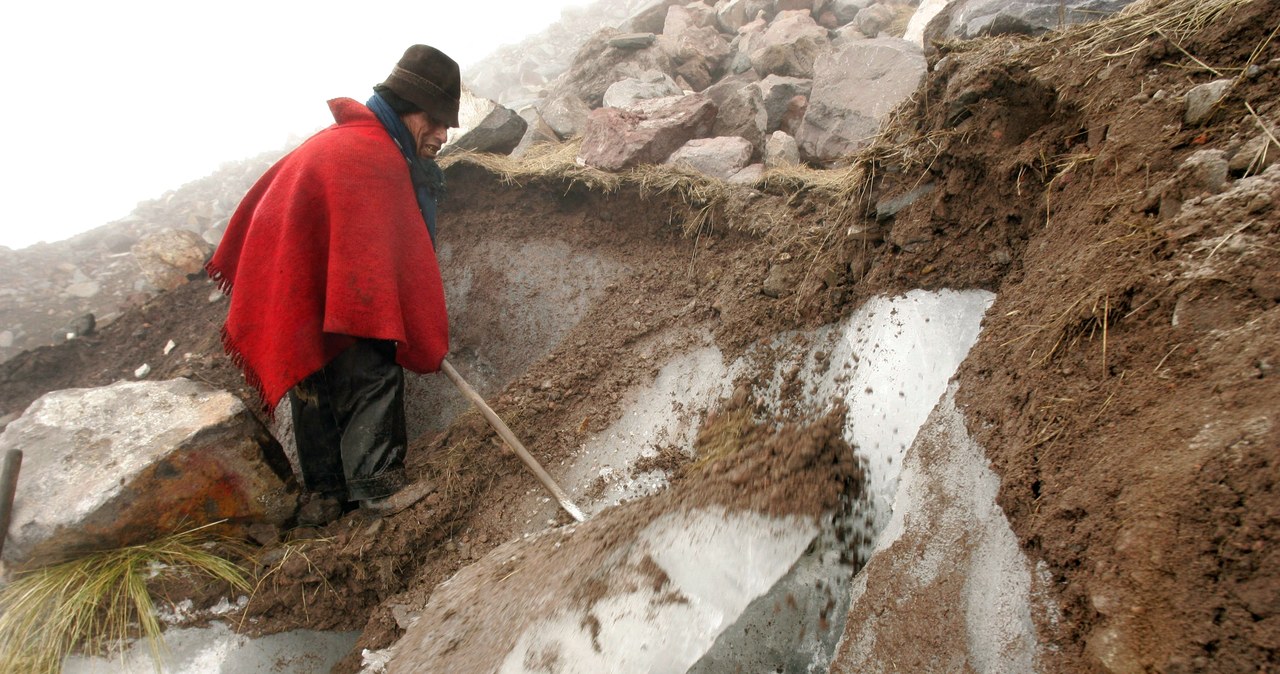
(1124, 385)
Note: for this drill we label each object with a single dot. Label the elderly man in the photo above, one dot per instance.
(331, 267)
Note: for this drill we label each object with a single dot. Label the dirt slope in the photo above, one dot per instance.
(1123, 387)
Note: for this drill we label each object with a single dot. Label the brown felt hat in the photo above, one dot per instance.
(429, 79)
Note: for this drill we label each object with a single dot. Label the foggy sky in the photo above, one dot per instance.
(109, 104)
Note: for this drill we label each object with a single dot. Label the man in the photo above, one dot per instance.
(331, 267)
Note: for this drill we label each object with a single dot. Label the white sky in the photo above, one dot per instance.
(106, 104)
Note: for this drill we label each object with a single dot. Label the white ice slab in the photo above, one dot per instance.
(664, 412)
(218, 650)
(717, 563)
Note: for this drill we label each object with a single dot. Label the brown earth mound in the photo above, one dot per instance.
(1123, 387)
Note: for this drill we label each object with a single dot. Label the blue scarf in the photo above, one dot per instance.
(428, 179)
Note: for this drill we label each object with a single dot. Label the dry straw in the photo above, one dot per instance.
(99, 601)
(1132, 29)
(706, 200)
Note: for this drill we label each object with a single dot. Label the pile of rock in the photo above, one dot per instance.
(50, 292)
(718, 87)
(730, 87)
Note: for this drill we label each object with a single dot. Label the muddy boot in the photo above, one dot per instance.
(390, 505)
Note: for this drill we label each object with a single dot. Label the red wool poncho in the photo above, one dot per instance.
(328, 246)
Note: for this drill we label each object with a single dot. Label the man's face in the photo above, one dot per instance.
(428, 136)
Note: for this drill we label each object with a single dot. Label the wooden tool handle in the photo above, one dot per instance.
(8, 486)
(512, 442)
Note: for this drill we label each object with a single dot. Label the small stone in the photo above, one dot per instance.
(1202, 100)
(168, 347)
(1266, 285)
(264, 533)
(142, 371)
(84, 290)
(402, 615)
(888, 208)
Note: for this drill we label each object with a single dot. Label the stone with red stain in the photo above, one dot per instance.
(645, 134)
(131, 462)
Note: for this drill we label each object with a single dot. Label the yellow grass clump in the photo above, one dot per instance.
(99, 600)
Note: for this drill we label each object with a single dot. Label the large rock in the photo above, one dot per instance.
(498, 131)
(537, 132)
(647, 134)
(168, 257)
(873, 19)
(742, 113)
(127, 463)
(731, 15)
(597, 65)
(566, 114)
(651, 84)
(651, 16)
(854, 87)
(790, 45)
(698, 51)
(776, 93)
(749, 38)
(846, 10)
(925, 11)
(781, 149)
(692, 15)
(720, 157)
(965, 19)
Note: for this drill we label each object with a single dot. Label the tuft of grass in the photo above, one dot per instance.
(99, 600)
(1133, 28)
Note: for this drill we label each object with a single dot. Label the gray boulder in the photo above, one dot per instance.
(719, 157)
(854, 88)
(781, 149)
(692, 15)
(846, 10)
(873, 19)
(169, 257)
(698, 51)
(646, 134)
(596, 66)
(538, 131)
(777, 92)
(127, 463)
(651, 84)
(965, 19)
(790, 45)
(731, 15)
(650, 16)
(742, 112)
(566, 114)
(750, 175)
(498, 131)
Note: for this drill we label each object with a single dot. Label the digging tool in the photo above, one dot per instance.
(8, 486)
(512, 442)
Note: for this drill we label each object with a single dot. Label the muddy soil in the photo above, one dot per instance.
(1124, 385)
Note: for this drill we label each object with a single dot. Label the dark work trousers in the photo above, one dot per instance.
(348, 419)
